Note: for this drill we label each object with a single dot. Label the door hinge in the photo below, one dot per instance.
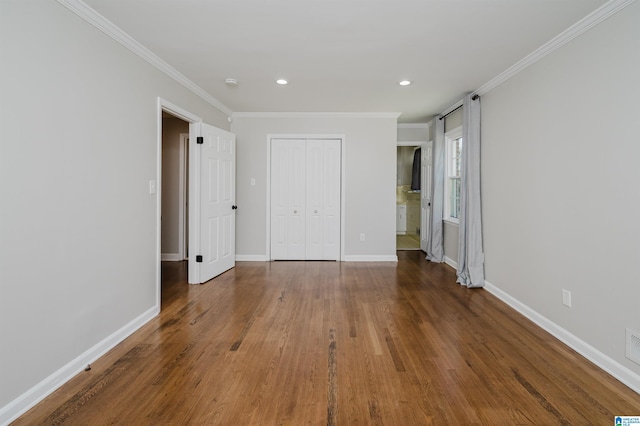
(200, 140)
(199, 258)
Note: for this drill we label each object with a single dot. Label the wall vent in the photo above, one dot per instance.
(633, 346)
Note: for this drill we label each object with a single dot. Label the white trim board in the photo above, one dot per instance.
(597, 16)
(370, 258)
(414, 125)
(251, 258)
(27, 400)
(411, 143)
(171, 257)
(449, 110)
(182, 195)
(449, 261)
(352, 258)
(617, 370)
(109, 28)
(316, 115)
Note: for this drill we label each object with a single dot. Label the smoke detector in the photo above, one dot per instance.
(231, 82)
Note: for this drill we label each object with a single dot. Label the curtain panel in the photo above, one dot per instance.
(470, 252)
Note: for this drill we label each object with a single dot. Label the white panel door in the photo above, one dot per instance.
(331, 188)
(288, 205)
(305, 199)
(323, 199)
(426, 176)
(315, 200)
(215, 253)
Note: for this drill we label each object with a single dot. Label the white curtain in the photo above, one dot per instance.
(470, 253)
(435, 245)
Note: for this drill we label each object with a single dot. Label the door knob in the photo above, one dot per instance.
(234, 207)
(315, 211)
(295, 212)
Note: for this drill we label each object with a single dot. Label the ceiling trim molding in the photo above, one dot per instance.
(414, 125)
(411, 143)
(103, 24)
(596, 17)
(451, 109)
(316, 115)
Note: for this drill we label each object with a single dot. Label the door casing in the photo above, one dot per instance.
(424, 145)
(193, 188)
(342, 184)
(193, 120)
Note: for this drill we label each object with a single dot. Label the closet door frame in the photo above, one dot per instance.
(342, 139)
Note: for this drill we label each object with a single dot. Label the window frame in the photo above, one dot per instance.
(449, 138)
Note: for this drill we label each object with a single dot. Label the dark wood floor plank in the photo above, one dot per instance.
(336, 343)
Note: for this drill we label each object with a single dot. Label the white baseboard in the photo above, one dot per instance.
(24, 402)
(373, 258)
(617, 370)
(251, 258)
(451, 262)
(355, 258)
(170, 257)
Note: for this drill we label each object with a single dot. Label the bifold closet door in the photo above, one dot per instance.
(288, 202)
(305, 199)
(323, 199)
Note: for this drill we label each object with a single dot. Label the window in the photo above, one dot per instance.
(453, 140)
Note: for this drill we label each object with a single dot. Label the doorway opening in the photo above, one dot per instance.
(175, 188)
(408, 197)
(206, 233)
(173, 122)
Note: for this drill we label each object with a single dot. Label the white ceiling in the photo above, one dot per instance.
(343, 55)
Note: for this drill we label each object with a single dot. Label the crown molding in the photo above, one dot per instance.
(316, 115)
(109, 28)
(414, 125)
(451, 109)
(596, 17)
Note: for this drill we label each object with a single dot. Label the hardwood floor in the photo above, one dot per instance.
(336, 343)
(408, 242)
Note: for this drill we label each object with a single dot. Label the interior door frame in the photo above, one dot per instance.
(427, 206)
(194, 123)
(183, 220)
(422, 145)
(342, 183)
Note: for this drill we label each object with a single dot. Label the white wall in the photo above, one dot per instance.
(78, 227)
(560, 174)
(413, 132)
(370, 163)
(450, 241)
(453, 120)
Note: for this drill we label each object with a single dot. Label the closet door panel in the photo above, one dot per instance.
(305, 199)
(288, 163)
(331, 198)
(295, 188)
(315, 201)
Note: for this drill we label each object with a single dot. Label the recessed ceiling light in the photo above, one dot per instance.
(282, 81)
(404, 83)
